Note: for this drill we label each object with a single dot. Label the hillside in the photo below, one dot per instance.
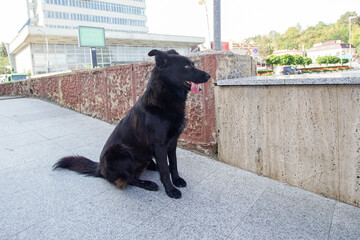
(297, 38)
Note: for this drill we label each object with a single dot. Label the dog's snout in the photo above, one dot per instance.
(207, 76)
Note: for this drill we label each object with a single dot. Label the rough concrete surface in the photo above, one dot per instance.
(304, 135)
(220, 202)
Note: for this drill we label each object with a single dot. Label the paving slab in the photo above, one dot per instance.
(220, 201)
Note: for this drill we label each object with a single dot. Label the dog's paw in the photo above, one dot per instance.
(179, 182)
(173, 193)
(151, 186)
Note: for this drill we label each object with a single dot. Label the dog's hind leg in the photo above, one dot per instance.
(148, 185)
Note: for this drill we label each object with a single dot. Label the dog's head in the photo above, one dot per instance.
(179, 70)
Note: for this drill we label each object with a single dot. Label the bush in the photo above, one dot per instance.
(287, 59)
(324, 69)
(328, 60)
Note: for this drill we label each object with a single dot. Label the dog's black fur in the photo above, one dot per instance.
(150, 129)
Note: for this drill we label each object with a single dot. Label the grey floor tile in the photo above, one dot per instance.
(346, 222)
(17, 156)
(170, 224)
(222, 201)
(20, 139)
(78, 223)
(297, 214)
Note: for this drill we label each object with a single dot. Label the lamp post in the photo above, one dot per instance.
(350, 39)
(47, 50)
(203, 2)
(217, 25)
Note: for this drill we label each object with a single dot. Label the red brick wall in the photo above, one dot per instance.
(108, 94)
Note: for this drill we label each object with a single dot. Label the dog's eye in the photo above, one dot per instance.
(187, 66)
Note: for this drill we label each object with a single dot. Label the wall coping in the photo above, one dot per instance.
(337, 78)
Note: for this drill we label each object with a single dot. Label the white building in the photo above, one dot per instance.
(291, 52)
(49, 40)
(330, 48)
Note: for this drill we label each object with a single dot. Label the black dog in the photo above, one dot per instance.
(150, 129)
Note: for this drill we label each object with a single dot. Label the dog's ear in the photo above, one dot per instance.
(160, 57)
(172, 51)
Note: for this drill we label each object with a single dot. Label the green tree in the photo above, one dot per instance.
(296, 37)
(334, 60)
(320, 60)
(287, 59)
(273, 60)
(265, 46)
(3, 52)
(4, 65)
(328, 60)
(344, 61)
(307, 61)
(298, 60)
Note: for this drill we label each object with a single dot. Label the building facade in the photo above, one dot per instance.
(48, 42)
(244, 48)
(331, 48)
(291, 52)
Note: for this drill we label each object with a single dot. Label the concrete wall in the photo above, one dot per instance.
(108, 94)
(305, 135)
(22, 63)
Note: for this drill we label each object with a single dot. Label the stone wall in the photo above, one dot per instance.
(109, 93)
(305, 135)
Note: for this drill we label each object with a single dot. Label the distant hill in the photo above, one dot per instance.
(298, 38)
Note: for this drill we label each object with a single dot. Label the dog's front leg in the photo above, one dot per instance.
(161, 160)
(176, 179)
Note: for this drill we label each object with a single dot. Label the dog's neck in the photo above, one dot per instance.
(160, 94)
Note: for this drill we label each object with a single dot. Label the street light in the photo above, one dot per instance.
(47, 50)
(350, 39)
(203, 2)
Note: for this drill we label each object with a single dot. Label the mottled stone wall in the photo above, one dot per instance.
(108, 94)
(307, 135)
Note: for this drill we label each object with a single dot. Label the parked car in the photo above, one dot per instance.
(286, 70)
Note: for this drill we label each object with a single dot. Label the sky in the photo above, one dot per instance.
(239, 19)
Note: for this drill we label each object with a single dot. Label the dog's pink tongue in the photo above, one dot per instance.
(194, 88)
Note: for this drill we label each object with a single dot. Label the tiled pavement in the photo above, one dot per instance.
(220, 202)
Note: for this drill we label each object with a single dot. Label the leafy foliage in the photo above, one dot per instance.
(307, 61)
(328, 60)
(273, 60)
(298, 60)
(3, 52)
(297, 38)
(286, 59)
(4, 64)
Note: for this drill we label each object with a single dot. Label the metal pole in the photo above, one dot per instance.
(350, 39)
(93, 57)
(47, 54)
(47, 50)
(217, 25)
(207, 19)
(27, 8)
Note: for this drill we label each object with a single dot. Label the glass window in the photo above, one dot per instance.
(60, 48)
(38, 48)
(52, 59)
(61, 59)
(39, 60)
(105, 50)
(51, 48)
(71, 58)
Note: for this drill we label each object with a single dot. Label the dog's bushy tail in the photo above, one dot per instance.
(79, 164)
